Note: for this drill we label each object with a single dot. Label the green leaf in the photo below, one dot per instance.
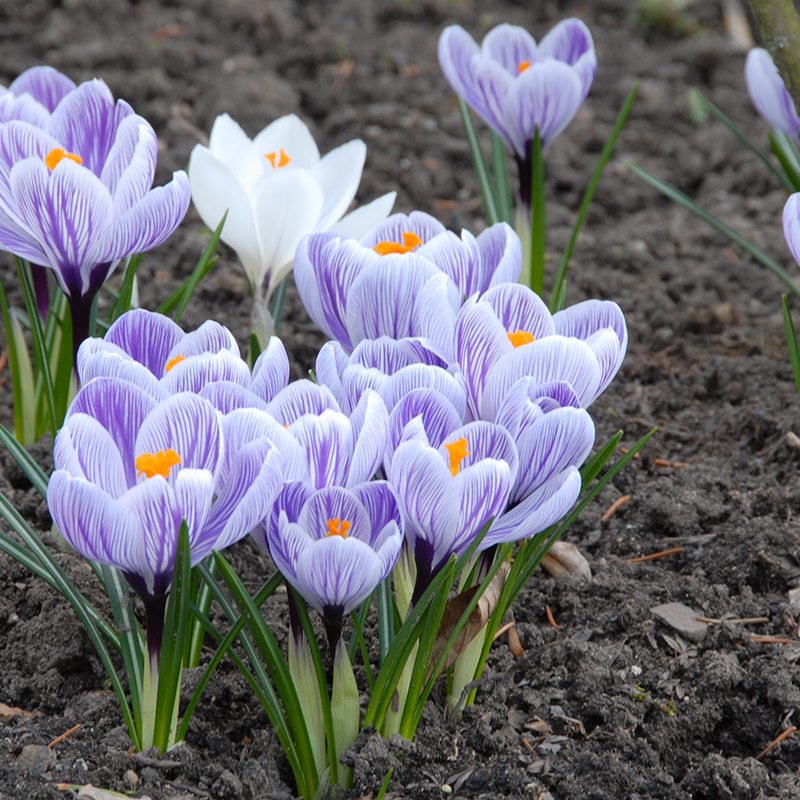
(505, 204)
(277, 304)
(784, 153)
(791, 341)
(123, 302)
(385, 616)
(479, 165)
(31, 469)
(588, 195)
(538, 215)
(13, 365)
(680, 197)
(25, 396)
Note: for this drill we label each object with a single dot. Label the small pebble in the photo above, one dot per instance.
(130, 777)
(682, 619)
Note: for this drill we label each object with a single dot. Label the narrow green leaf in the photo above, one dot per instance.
(255, 351)
(479, 165)
(505, 204)
(680, 197)
(40, 354)
(385, 616)
(605, 156)
(123, 302)
(385, 784)
(31, 469)
(277, 304)
(13, 365)
(791, 341)
(358, 628)
(205, 263)
(26, 397)
(591, 469)
(787, 161)
(538, 215)
(362, 616)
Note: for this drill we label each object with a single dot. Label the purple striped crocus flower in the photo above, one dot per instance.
(405, 278)
(75, 194)
(130, 469)
(34, 96)
(769, 94)
(515, 85)
(508, 333)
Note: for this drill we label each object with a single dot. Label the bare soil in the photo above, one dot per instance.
(612, 704)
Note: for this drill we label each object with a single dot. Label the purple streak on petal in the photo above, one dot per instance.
(330, 366)
(44, 84)
(380, 501)
(547, 94)
(290, 502)
(458, 259)
(484, 440)
(210, 337)
(769, 94)
(434, 315)
(286, 545)
(500, 252)
(509, 46)
(97, 526)
(23, 108)
(111, 362)
(147, 224)
(791, 225)
(520, 308)
(527, 400)
(86, 123)
(299, 398)
(483, 491)
(571, 42)
(226, 396)
(358, 380)
(188, 425)
(418, 376)
(195, 372)
(369, 422)
(16, 239)
(147, 337)
(392, 229)
(334, 502)
(121, 408)
(390, 355)
(381, 299)
(328, 444)
(131, 165)
(548, 504)
(67, 211)
(309, 254)
(85, 449)
(194, 492)
(554, 442)
(271, 370)
(18, 141)
(457, 49)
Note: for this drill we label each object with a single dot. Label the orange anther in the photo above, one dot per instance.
(520, 337)
(172, 362)
(160, 463)
(338, 527)
(410, 241)
(54, 157)
(523, 66)
(458, 452)
(282, 158)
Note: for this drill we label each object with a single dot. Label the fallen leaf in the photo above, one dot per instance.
(6, 712)
(477, 619)
(564, 558)
(93, 793)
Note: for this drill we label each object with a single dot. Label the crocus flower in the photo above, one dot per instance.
(448, 494)
(508, 334)
(153, 352)
(515, 85)
(75, 196)
(277, 189)
(769, 94)
(791, 224)
(405, 278)
(130, 469)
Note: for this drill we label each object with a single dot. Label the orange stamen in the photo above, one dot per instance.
(522, 67)
(172, 362)
(54, 157)
(458, 452)
(283, 159)
(410, 241)
(337, 527)
(520, 337)
(160, 463)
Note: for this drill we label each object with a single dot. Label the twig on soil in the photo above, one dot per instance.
(64, 735)
(775, 742)
(662, 462)
(769, 639)
(624, 450)
(515, 645)
(615, 506)
(551, 618)
(502, 630)
(653, 556)
(732, 621)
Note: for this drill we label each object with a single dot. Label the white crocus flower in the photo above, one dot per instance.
(277, 189)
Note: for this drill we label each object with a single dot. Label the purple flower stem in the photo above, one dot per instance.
(155, 608)
(39, 276)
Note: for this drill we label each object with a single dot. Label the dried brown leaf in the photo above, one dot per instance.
(7, 712)
(477, 619)
(564, 558)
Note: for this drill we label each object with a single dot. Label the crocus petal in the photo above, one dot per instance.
(547, 95)
(500, 252)
(85, 449)
(509, 46)
(791, 225)
(418, 222)
(329, 368)
(131, 165)
(328, 444)
(146, 337)
(768, 92)
(417, 376)
(148, 223)
(121, 408)
(194, 491)
(519, 308)
(271, 370)
(232, 147)
(338, 175)
(289, 503)
(106, 362)
(300, 398)
(15, 239)
(286, 207)
(291, 134)
(186, 424)
(97, 526)
(356, 224)
(369, 422)
(86, 123)
(334, 502)
(210, 337)
(485, 440)
(380, 501)
(195, 372)
(571, 42)
(548, 504)
(18, 141)
(22, 108)
(44, 84)
(483, 491)
(438, 416)
(458, 259)
(553, 442)
(215, 191)
(226, 397)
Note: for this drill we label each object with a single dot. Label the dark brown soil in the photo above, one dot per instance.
(614, 704)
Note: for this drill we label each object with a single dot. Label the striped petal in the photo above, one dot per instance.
(327, 441)
(227, 396)
(271, 370)
(509, 46)
(418, 376)
(195, 372)
(131, 165)
(392, 229)
(769, 94)
(300, 398)
(44, 84)
(500, 253)
(380, 501)
(110, 362)
(329, 368)
(369, 422)
(519, 308)
(146, 337)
